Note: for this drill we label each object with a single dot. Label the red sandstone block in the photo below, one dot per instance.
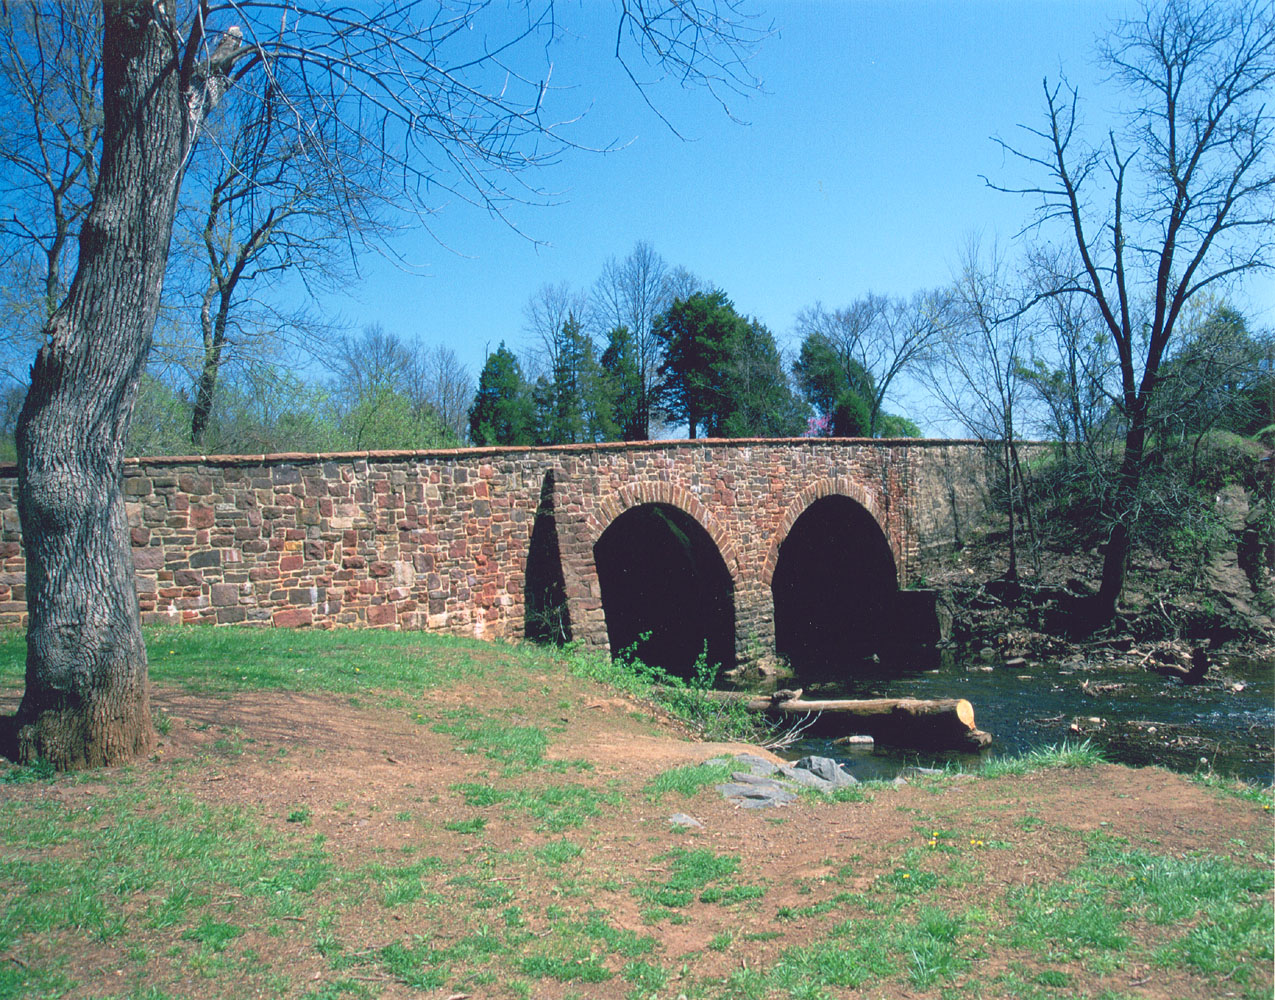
(140, 536)
(290, 563)
(201, 517)
(381, 614)
(353, 562)
(179, 502)
(380, 569)
(293, 618)
(188, 577)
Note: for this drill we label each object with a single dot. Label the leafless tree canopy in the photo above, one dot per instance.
(50, 78)
(1177, 199)
(886, 336)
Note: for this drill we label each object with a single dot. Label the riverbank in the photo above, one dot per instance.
(1183, 677)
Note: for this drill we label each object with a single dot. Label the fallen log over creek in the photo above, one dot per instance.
(935, 724)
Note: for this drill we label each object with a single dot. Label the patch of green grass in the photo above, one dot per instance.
(844, 962)
(932, 948)
(519, 748)
(337, 989)
(139, 856)
(23, 774)
(690, 873)
(480, 796)
(627, 944)
(474, 825)
(579, 965)
(814, 909)
(198, 658)
(686, 780)
(1083, 754)
(419, 966)
(556, 807)
(1262, 795)
(732, 894)
(646, 978)
(212, 934)
(558, 852)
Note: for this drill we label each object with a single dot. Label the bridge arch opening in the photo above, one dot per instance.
(835, 587)
(666, 591)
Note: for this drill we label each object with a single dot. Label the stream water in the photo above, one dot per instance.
(1135, 717)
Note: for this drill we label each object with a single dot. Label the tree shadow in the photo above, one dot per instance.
(9, 737)
(546, 617)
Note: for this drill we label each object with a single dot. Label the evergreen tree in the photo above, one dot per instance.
(574, 402)
(696, 333)
(757, 398)
(502, 410)
(623, 377)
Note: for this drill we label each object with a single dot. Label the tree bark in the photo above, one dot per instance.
(1116, 558)
(86, 701)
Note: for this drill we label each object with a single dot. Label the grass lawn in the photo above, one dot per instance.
(374, 814)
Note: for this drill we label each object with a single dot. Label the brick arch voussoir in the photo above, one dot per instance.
(637, 494)
(832, 486)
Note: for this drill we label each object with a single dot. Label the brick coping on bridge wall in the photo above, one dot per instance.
(10, 469)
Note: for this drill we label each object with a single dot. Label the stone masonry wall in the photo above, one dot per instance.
(439, 540)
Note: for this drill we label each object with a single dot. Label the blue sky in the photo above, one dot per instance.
(858, 169)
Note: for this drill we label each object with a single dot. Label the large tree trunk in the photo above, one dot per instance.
(86, 701)
(1116, 557)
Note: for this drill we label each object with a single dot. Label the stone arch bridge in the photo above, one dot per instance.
(741, 548)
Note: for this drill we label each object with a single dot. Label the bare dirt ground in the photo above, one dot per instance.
(358, 768)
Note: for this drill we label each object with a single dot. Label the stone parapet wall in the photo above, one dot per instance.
(439, 540)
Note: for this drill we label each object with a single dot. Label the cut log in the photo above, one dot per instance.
(945, 723)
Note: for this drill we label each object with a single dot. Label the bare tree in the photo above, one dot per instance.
(545, 316)
(439, 380)
(50, 74)
(1179, 199)
(630, 293)
(978, 374)
(266, 199)
(433, 106)
(885, 337)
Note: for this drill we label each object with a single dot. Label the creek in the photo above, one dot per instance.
(1133, 716)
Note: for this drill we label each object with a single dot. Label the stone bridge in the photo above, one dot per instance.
(741, 548)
